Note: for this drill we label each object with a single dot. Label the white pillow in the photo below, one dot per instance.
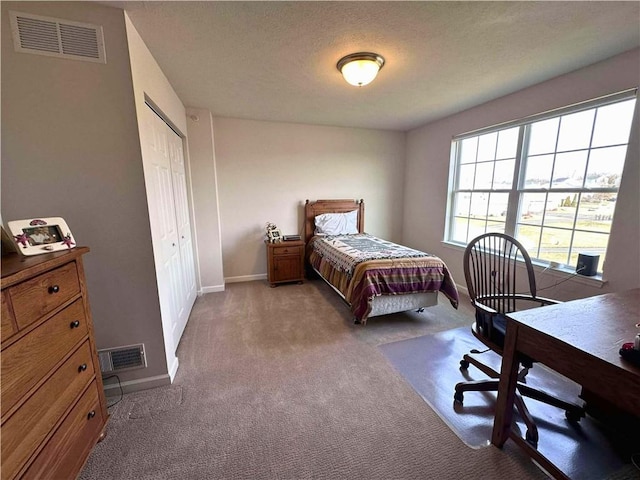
(337, 223)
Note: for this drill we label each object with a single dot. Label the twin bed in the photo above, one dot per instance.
(375, 277)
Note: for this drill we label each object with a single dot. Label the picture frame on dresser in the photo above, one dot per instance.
(37, 236)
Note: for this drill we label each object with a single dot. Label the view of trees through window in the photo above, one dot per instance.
(551, 183)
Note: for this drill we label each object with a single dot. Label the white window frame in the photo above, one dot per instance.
(517, 187)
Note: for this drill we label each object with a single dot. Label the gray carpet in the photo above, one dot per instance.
(277, 383)
(586, 451)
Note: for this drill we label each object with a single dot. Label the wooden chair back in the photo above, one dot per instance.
(494, 264)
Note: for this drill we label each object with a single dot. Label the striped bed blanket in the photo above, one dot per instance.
(362, 266)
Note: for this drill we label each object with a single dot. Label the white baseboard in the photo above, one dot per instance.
(211, 289)
(129, 386)
(245, 278)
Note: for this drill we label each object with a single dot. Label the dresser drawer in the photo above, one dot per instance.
(25, 430)
(36, 297)
(284, 250)
(8, 322)
(66, 452)
(27, 361)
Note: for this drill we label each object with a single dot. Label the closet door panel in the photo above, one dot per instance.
(157, 170)
(171, 226)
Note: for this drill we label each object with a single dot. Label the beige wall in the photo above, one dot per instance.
(70, 148)
(266, 171)
(206, 212)
(427, 170)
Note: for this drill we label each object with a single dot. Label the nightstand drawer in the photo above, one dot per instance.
(287, 250)
(19, 370)
(43, 294)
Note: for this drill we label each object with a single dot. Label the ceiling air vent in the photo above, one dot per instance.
(57, 38)
(122, 358)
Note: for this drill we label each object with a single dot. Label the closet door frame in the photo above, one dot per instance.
(167, 197)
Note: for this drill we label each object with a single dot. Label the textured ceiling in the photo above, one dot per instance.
(276, 60)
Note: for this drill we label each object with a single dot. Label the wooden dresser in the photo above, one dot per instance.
(53, 409)
(285, 262)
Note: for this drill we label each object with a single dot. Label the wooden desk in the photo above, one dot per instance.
(580, 340)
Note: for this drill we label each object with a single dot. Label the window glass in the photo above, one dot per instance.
(613, 124)
(575, 131)
(555, 244)
(605, 167)
(568, 169)
(484, 176)
(543, 136)
(532, 207)
(468, 150)
(529, 236)
(595, 211)
(503, 174)
(487, 147)
(507, 143)
(538, 171)
(498, 205)
(459, 231)
(552, 183)
(462, 201)
(479, 204)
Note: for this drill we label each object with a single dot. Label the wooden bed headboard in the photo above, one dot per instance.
(311, 209)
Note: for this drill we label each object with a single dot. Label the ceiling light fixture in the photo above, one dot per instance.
(361, 68)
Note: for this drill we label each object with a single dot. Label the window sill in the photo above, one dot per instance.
(560, 272)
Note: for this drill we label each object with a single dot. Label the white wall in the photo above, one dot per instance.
(266, 171)
(206, 212)
(427, 170)
(70, 148)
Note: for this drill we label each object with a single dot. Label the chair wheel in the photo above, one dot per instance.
(458, 397)
(464, 364)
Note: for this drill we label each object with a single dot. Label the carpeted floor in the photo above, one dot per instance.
(586, 451)
(278, 383)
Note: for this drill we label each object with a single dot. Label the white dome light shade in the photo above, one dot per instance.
(360, 69)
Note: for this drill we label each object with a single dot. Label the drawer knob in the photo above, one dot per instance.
(54, 289)
(74, 324)
(91, 414)
(82, 367)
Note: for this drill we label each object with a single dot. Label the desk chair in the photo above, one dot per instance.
(493, 264)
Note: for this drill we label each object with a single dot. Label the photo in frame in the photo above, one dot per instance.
(41, 235)
(274, 234)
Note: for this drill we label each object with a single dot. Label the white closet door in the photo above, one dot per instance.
(167, 199)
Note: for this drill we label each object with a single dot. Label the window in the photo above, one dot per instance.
(551, 180)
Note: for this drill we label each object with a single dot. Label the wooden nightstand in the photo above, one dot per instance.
(285, 262)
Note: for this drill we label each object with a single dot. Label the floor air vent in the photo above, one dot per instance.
(122, 358)
(56, 37)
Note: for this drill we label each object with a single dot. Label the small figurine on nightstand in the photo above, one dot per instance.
(273, 233)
